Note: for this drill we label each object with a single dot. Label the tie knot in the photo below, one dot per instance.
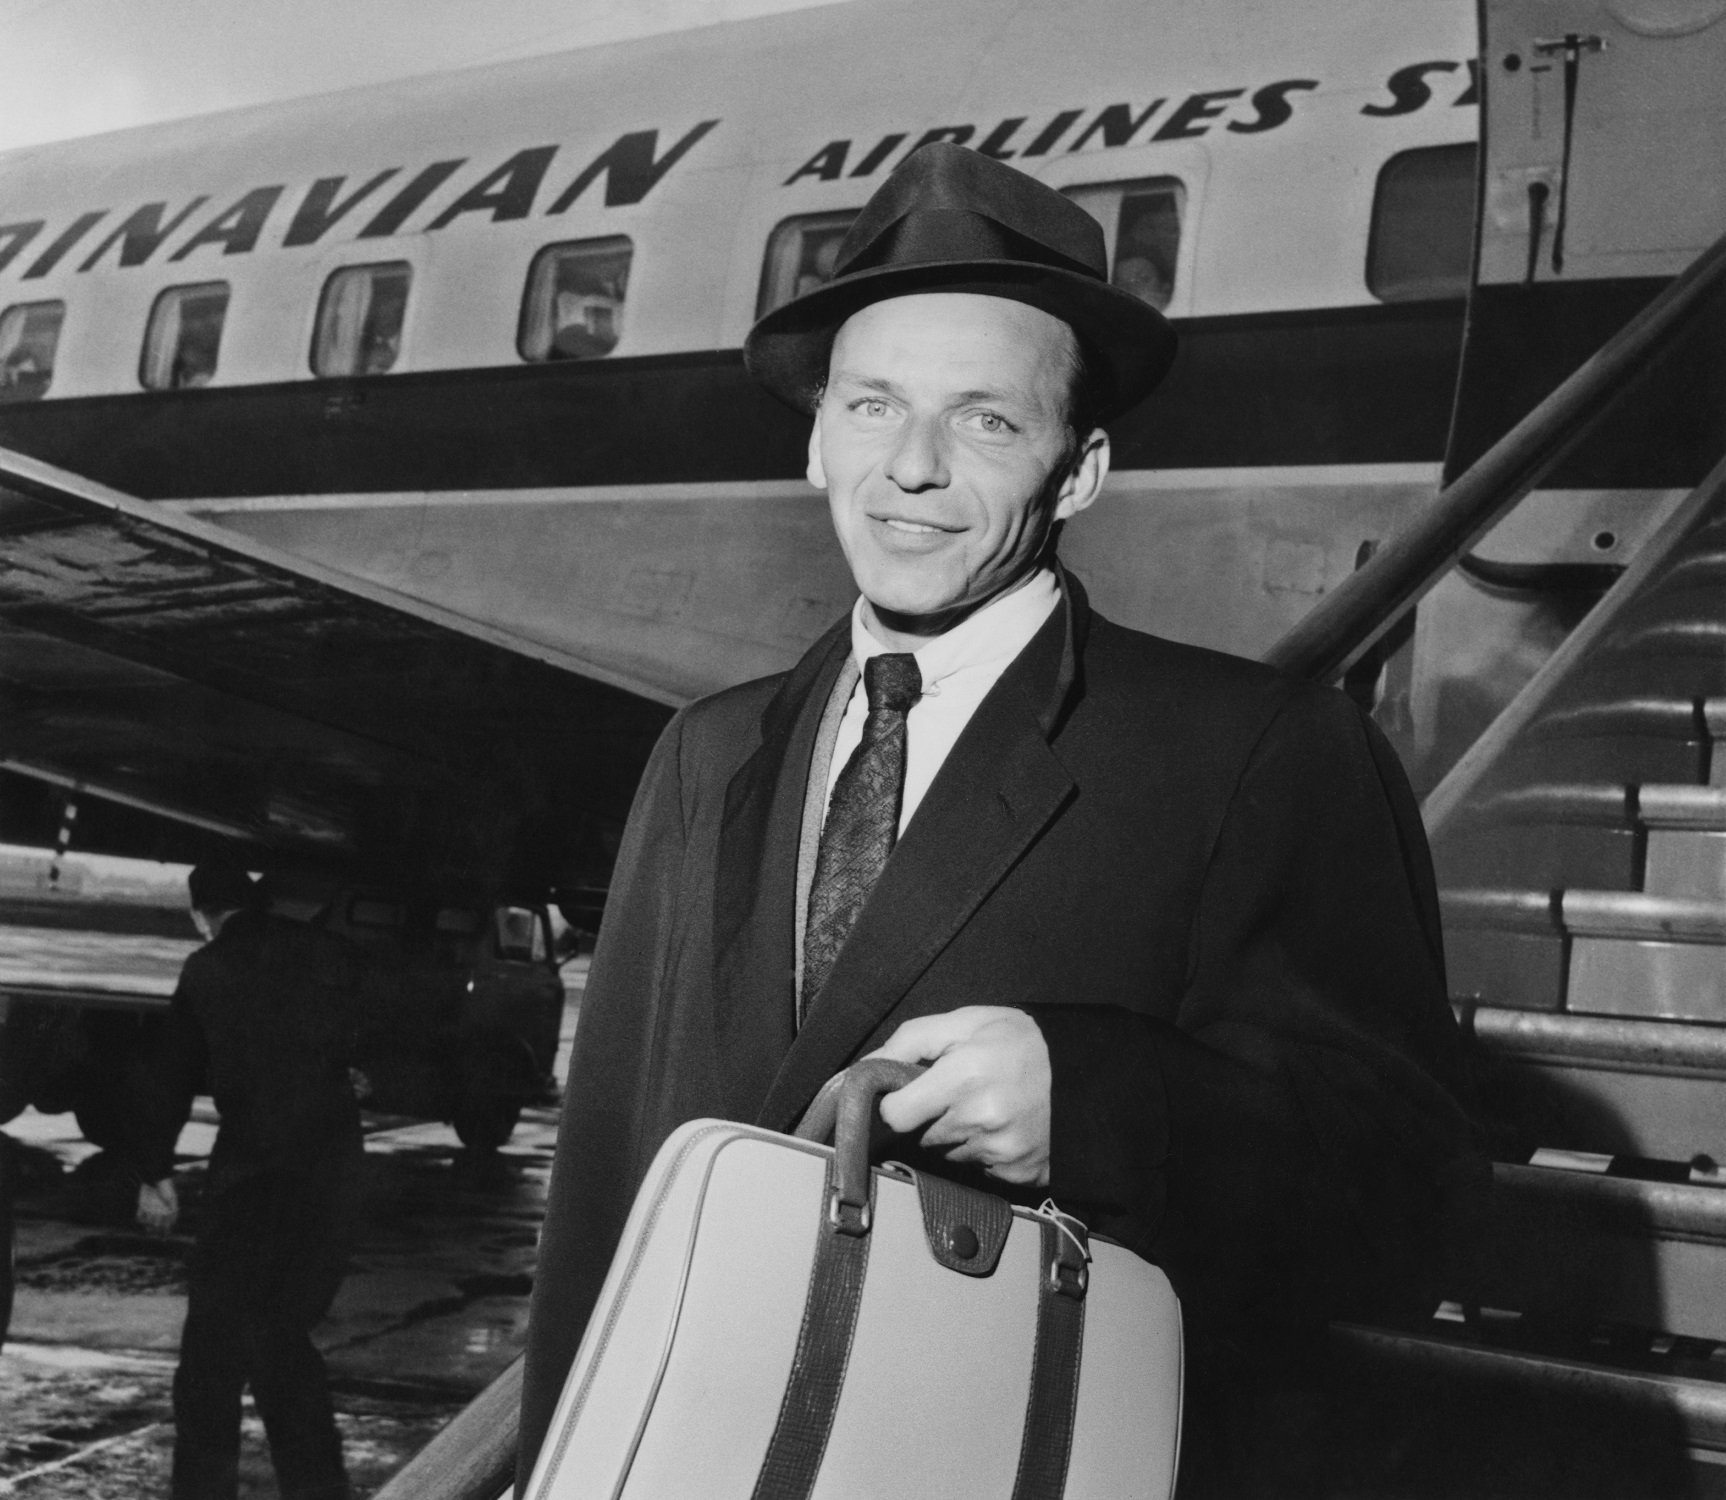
(892, 681)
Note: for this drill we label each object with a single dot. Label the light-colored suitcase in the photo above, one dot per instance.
(781, 1320)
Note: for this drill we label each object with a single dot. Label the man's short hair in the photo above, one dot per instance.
(221, 885)
(1087, 392)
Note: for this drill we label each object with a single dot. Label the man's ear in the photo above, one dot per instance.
(816, 472)
(1085, 476)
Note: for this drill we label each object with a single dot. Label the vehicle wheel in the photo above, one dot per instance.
(486, 1125)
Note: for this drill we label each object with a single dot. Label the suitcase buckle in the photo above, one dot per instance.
(1069, 1254)
(848, 1218)
(1067, 1279)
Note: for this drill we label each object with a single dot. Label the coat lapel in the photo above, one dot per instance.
(999, 788)
(755, 880)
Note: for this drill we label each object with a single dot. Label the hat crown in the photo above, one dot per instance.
(953, 221)
(945, 203)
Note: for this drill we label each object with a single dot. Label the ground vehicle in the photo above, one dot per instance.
(463, 1004)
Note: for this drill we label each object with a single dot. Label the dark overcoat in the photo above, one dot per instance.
(1206, 880)
(263, 1019)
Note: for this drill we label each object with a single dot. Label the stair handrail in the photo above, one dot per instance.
(1350, 619)
(472, 1456)
(1446, 800)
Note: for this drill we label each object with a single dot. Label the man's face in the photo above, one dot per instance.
(938, 440)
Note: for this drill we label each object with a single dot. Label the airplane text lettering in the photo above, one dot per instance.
(632, 166)
(635, 163)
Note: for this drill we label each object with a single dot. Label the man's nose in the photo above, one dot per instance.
(919, 462)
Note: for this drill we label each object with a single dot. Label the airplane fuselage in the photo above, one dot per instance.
(331, 324)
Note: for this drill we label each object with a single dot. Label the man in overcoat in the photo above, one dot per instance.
(1161, 920)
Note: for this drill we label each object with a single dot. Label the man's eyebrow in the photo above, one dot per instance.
(1001, 395)
(867, 382)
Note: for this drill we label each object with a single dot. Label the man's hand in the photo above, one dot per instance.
(158, 1206)
(986, 1094)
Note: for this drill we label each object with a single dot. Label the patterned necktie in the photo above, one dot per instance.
(862, 819)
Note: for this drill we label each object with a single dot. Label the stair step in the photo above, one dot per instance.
(1646, 1254)
(1591, 804)
(1695, 808)
(1666, 839)
(1680, 981)
(1595, 804)
(1617, 1087)
(1519, 1391)
(1685, 862)
(1616, 736)
(1641, 917)
(1606, 952)
(1498, 967)
(1582, 1041)
(1675, 631)
(1620, 914)
(1504, 947)
(1541, 855)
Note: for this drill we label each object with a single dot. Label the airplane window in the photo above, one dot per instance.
(800, 256)
(29, 335)
(572, 307)
(184, 336)
(1422, 241)
(520, 934)
(1141, 230)
(360, 317)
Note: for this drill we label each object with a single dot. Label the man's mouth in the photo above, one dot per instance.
(915, 528)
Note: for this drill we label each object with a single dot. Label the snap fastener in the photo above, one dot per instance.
(962, 1241)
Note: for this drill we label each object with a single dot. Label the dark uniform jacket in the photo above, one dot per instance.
(1208, 883)
(264, 1020)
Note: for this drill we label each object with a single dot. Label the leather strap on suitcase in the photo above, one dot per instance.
(966, 1230)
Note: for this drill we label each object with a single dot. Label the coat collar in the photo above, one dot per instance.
(997, 791)
(755, 879)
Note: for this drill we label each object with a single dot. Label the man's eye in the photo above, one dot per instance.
(870, 406)
(992, 422)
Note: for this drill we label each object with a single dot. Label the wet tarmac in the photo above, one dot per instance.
(433, 1308)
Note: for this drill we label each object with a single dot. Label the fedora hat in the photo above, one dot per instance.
(951, 220)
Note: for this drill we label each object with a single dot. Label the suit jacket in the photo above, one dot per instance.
(1207, 881)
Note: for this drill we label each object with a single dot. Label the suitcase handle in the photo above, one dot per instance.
(845, 1111)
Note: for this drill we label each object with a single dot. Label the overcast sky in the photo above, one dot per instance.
(73, 67)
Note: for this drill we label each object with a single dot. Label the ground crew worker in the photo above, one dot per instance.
(263, 1019)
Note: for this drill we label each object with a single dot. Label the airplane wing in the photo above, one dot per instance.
(162, 663)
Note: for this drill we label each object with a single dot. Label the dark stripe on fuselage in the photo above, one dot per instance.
(1342, 385)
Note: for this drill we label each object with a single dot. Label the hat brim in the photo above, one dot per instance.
(1128, 344)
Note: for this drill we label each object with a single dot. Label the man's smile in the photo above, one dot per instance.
(911, 526)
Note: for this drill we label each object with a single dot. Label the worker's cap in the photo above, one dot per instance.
(951, 220)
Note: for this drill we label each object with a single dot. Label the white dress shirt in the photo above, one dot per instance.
(958, 668)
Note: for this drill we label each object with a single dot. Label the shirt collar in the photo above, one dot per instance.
(992, 635)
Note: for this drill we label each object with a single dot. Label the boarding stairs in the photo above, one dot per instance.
(1581, 854)
(1580, 847)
